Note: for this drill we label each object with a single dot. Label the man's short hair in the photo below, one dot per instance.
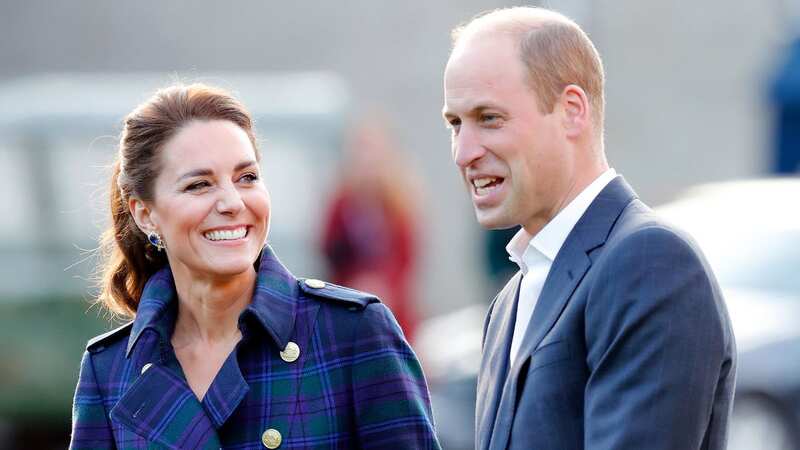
(555, 50)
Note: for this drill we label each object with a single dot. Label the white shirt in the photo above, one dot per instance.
(535, 255)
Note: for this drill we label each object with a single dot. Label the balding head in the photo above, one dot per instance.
(553, 48)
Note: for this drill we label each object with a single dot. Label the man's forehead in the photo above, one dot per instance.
(483, 42)
(475, 95)
(479, 77)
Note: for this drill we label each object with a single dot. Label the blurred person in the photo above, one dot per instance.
(613, 334)
(369, 238)
(785, 97)
(227, 349)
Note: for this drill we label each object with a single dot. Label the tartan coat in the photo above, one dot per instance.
(355, 384)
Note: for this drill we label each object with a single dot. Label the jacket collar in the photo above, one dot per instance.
(273, 306)
(594, 227)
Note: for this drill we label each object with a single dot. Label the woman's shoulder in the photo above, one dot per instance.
(114, 338)
(337, 296)
(350, 308)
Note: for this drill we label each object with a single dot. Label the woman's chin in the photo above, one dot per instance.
(226, 267)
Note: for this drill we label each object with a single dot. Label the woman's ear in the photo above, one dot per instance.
(142, 215)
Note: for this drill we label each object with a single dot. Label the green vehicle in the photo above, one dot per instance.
(58, 136)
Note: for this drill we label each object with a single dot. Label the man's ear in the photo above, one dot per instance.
(577, 111)
(142, 215)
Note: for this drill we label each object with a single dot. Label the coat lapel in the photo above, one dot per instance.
(226, 391)
(494, 364)
(566, 273)
(161, 408)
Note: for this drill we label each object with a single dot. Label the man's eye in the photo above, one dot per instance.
(249, 177)
(490, 118)
(454, 124)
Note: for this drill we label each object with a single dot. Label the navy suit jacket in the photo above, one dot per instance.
(629, 346)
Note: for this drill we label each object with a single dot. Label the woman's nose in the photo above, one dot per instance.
(230, 201)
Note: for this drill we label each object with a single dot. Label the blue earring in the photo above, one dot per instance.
(155, 240)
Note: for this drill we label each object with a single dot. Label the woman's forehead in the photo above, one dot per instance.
(214, 144)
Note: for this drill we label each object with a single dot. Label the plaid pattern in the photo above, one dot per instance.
(356, 384)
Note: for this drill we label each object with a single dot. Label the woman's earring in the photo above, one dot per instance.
(155, 240)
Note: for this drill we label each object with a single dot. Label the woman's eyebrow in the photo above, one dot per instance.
(207, 172)
(195, 173)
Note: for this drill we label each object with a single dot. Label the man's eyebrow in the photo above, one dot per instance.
(474, 111)
(245, 164)
(207, 172)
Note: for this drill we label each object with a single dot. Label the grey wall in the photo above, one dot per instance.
(685, 84)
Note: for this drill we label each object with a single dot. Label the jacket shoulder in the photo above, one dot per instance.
(99, 343)
(343, 296)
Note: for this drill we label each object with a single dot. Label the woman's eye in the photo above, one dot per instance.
(197, 185)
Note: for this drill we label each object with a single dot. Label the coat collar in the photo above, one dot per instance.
(273, 306)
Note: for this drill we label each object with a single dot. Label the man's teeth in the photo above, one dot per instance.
(226, 235)
(483, 182)
(484, 185)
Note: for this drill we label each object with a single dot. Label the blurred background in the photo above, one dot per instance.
(347, 98)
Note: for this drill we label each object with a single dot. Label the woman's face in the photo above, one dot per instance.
(209, 203)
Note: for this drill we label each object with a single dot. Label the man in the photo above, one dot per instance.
(614, 334)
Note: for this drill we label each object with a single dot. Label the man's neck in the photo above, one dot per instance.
(576, 186)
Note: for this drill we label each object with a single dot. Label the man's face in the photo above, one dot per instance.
(512, 157)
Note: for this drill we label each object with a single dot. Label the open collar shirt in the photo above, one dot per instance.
(535, 254)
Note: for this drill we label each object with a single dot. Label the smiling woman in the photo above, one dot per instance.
(227, 349)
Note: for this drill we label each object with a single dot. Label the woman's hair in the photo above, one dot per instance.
(127, 259)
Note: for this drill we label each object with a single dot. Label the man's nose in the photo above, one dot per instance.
(466, 147)
(230, 200)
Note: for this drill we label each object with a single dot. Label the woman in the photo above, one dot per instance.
(226, 348)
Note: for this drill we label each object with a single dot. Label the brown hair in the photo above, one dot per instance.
(555, 50)
(128, 260)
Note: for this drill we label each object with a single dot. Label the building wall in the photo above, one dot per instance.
(685, 84)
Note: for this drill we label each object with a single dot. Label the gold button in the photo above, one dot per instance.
(271, 438)
(146, 366)
(315, 284)
(291, 352)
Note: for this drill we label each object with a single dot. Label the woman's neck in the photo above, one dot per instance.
(209, 308)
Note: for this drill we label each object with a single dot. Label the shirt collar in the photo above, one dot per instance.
(524, 248)
(273, 305)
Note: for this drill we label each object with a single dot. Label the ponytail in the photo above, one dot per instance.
(129, 259)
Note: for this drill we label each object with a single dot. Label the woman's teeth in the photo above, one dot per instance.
(226, 235)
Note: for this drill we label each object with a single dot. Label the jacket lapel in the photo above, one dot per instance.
(161, 408)
(226, 391)
(566, 272)
(568, 269)
(494, 364)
